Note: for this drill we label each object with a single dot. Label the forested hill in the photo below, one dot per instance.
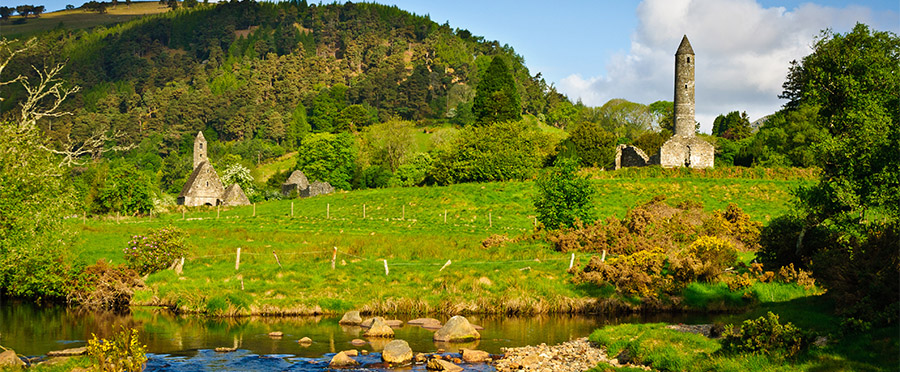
(271, 72)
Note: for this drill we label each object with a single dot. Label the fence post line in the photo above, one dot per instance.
(385, 268)
(333, 257)
(237, 264)
(572, 261)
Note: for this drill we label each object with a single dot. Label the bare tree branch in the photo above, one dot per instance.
(95, 146)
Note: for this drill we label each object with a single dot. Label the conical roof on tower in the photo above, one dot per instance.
(685, 47)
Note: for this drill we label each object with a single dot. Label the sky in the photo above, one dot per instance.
(597, 50)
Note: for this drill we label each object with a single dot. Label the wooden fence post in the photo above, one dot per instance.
(292, 209)
(364, 211)
(445, 216)
(603, 257)
(385, 268)
(218, 212)
(403, 216)
(254, 209)
(327, 211)
(445, 265)
(182, 213)
(84, 218)
(237, 261)
(572, 261)
(277, 261)
(333, 258)
(490, 219)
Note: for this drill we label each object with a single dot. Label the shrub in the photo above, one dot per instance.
(765, 335)
(123, 352)
(564, 197)
(714, 256)
(104, 285)
(635, 274)
(155, 251)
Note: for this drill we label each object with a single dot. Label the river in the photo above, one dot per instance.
(185, 342)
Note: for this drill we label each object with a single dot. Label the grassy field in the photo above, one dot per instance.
(79, 19)
(407, 228)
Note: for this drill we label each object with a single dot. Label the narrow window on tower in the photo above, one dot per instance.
(689, 59)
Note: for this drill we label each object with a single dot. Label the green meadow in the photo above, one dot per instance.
(497, 264)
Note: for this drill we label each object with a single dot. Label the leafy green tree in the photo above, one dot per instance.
(594, 145)
(663, 113)
(388, 144)
(853, 80)
(126, 190)
(789, 137)
(328, 157)
(564, 196)
(734, 126)
(651, 142)
(190, 3)
(496, 97)
(500, 152)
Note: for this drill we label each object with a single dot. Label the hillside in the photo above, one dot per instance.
(77, 19)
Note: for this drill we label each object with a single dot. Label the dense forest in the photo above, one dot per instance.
(368, 96)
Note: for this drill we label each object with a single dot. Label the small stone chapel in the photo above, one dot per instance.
(204, 187)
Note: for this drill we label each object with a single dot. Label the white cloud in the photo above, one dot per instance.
(743, 53)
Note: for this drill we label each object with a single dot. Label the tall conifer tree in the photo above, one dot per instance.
(496, 97)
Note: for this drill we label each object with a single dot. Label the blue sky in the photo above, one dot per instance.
(597, 50)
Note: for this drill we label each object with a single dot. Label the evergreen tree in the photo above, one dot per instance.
(496, 97)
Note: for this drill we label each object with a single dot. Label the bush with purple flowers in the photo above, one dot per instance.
(155, 251)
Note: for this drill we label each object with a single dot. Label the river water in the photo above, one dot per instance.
(186, 342)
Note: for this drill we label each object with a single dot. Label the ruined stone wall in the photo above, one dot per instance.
(630, 156)
(686, 152)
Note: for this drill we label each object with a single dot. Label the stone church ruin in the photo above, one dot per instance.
(298, 185)
(684, 149)
(204, 187)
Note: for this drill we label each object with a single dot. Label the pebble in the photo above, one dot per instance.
(573, 356)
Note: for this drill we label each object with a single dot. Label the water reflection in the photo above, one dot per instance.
(185, 342)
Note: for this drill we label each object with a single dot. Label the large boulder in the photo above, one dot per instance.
(342, 360)
(475, 356)
(442, 365)
(379, 329)
(8, 359)
(457, 329)
(351, 318)
(397, 352)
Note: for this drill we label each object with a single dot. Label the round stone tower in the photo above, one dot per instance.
(684, 89)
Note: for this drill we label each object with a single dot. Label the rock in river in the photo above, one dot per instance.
(397, 352)
(457, 329)
(379, 329)
(351, 318)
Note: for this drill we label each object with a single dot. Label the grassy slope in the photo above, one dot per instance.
(404, 226)
(79, 19)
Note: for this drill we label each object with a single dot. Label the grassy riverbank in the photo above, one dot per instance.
(407, 228)
(663, 348)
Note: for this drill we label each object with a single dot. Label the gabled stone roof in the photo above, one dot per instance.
(685, 47)
(234, 195)
(196, 176)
